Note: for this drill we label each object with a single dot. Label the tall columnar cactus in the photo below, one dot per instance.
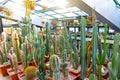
(75, 54)
(16, 45)
(94, 49)
(15, 62)
(47, 39)
(102, 56)
(62, 43)
(114, 66)
(83, 48)
(64, 63)
(55, 66)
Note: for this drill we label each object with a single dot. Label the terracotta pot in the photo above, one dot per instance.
(12, 74)
(105, 75)
(46, 59)
(47, 66)
(20, 63)
(3, 69)
(74, 72)
(21, 76)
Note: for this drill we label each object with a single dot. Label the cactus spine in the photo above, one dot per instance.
(83, 48)
(55, 66)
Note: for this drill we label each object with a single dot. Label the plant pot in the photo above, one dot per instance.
(3, 69)
(47, 66)
(21, 76)
(74, 72)
(12, 74)
(46, 59)
(105, 74)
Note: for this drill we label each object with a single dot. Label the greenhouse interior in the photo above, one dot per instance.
(59, 39)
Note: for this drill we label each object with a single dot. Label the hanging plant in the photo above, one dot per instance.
(29, 5)
(1, 9)
(42, 22)
(53, 23)
(7, 12)
(44, 7)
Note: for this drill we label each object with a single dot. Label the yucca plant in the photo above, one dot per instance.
(102, 55)
(114, 66)
(83, 48)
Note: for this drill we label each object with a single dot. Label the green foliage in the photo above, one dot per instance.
(83, 48)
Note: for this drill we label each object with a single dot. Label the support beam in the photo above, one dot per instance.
(84, 7)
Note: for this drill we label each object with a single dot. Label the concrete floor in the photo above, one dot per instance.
(4, 78)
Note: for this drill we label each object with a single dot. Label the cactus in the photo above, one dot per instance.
(75, 54)
(94, 49)
(83, 48)
(88, 51)
(102, 56)
(55, 66)
(114, 66)
(47, 39)
(92, 77)
(14, 61)
(41, 76)
(64, 63)
(30, 72)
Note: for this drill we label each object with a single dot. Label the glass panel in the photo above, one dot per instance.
(38, 8)
(48, 17)
(2, 1)
(58, 16)
(119, 1)
(72, 9)
(61, 11)
(81, 13)
(13, 5)
(50, 12)
(46, 3)
(70, 14)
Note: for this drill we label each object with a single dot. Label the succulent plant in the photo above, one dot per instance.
(47, 40)
(75, 54)
(102, 56)
(30, 72)
(64, 63)
(55, 66)
(114, 65)
(92, 77)
(83, 48)
(94, 49)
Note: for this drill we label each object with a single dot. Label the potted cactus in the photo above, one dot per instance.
(55, 66)
(4, 65)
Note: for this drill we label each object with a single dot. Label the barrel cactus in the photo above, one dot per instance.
(30, 72)
(55, 66)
